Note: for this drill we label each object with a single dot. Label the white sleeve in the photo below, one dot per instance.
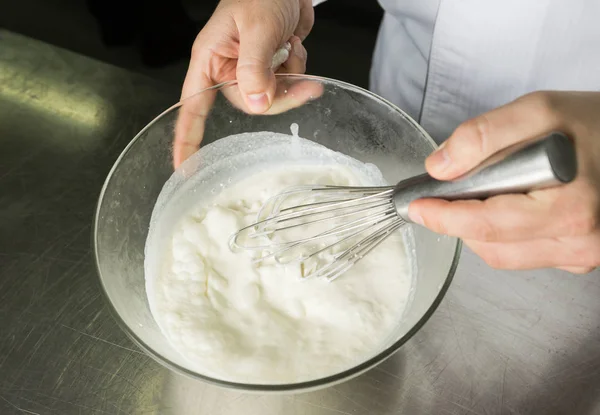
(317, 2)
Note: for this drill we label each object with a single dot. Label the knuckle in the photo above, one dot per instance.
(302, 68)
(435, 225)
(475, 133)
(585, 222)
(594, 253)
(196, 50)
(482, 128)
(250, 66)
(545, 105)
(483, 230)
(578, 208)
(586, 252)
(493, 259)
(586, 218)
(198, 47)
(264, 20)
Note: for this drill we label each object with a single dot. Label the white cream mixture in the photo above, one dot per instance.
(241, 322)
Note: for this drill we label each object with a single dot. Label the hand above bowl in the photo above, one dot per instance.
(239, 42)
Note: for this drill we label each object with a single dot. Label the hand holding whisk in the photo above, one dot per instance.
(346, 223)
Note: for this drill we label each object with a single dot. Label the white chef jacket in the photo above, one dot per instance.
(444, 61)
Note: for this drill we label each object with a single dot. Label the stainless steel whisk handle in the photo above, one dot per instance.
(521, 168)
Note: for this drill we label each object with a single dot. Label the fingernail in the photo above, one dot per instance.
(415, 217)
(299, 50)
(258, 102)
(440, 159)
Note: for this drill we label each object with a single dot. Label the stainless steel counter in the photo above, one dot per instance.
(500, 343)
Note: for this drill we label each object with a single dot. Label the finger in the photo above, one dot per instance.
(191, 120)
(192, 113)
(578, 270)
(576, 252)
(290, 93)
(564, 211)
(194, 81)
(296, 63)
(190, 125)
(475, 140)
(295, 93)
(254, 69)
(307, 19)
(498, 219)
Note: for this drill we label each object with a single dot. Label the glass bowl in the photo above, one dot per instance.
(337, 115)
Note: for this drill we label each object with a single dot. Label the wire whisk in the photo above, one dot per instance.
(328, 229)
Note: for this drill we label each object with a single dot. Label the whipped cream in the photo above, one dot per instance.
(263, 323)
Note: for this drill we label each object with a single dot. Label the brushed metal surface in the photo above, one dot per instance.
(500, 343)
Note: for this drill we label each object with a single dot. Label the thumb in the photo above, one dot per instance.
(527, 118)
(254, 73)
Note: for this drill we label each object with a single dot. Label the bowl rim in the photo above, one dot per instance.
(255, 387)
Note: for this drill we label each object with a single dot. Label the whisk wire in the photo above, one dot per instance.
(341, 229)
(311, 208)
(356, 252)
(335, 211)
(361, 218)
